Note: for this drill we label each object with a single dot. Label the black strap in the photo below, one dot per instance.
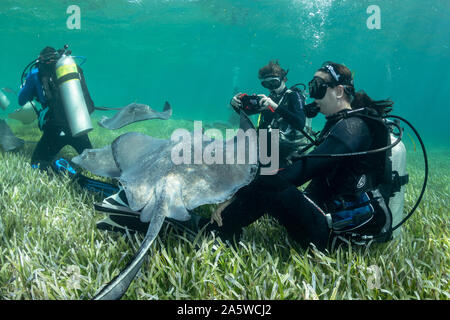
(398, 181)
(69, 76)
(45, 80)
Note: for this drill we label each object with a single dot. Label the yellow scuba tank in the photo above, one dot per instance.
(68, 80)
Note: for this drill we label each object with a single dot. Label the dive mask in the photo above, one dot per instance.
(347, 83)
(318, 87)
(271, 83)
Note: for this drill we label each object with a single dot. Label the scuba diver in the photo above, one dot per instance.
(60, 87)
(282, 109)
(57, 82)
(348, 196)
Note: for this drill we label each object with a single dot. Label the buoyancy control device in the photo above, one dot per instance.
(392, 177)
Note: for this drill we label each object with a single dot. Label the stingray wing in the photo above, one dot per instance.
(8, 141)
(25, 114)
(98, 161)
(132, 113)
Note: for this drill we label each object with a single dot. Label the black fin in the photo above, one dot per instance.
(97, 186)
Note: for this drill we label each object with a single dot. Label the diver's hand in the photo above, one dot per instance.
(217, 215)
(236, 102)
(267, 103)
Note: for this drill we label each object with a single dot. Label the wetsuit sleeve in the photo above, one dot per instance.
(293, 111)
(28, 91)
(348, 135)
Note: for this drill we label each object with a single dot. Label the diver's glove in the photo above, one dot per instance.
(267, 103)
(236, 101)
(41, 118)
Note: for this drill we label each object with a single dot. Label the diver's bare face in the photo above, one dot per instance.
(328, 105)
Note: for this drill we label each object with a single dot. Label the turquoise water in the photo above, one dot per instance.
(197, 54)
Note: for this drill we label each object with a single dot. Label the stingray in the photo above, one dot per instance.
(4, 101)
(99, 161)
(134, 112)
(25, 114)
(158, 188)
(8, 141)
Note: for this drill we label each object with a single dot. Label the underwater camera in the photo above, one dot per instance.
(250, 102)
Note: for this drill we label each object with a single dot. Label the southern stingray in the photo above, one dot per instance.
(8, 141)
(158, 188)
(4, 101)
(134, 112)
(25, 114)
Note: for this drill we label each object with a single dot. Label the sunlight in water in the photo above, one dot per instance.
(315, 13)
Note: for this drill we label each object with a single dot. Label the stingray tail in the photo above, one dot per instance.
(102, 108)
(115, 289)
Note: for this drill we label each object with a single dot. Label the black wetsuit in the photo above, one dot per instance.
(56, 131)
(53, 139)
(290, 110)
(304, 213)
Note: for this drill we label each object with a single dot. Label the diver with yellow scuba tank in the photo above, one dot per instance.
(57, 82)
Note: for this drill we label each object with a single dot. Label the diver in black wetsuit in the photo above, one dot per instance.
(342, 202)
(41, 85)
(282, 109)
